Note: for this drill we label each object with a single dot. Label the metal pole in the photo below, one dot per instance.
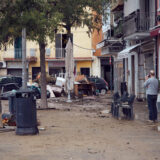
(69, 91)
(110, 61)
(24, 63)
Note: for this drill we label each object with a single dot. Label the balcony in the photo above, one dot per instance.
(112, 46)
(137, 25)
(16, 55)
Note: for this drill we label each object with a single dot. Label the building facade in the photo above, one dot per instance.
(85, 55)
(139, 55)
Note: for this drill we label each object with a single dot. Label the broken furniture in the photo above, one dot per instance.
(83, 89)
(125, 103)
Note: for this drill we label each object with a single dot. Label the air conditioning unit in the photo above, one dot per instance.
(3, 64)
(32, 52)
(48, 51)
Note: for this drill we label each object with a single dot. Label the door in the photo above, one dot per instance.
(85, 71)
(35, 71)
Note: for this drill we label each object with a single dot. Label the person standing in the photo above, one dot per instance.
(151, 85)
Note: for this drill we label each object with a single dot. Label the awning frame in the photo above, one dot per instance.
(124, 53)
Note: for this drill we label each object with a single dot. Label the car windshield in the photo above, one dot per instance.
(10, 88)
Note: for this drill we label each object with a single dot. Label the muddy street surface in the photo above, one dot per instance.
(78, 131)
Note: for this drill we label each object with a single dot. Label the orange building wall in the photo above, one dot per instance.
(96, 38)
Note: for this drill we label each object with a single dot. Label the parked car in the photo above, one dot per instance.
(100, 84)
(6, 89)
(11, 79)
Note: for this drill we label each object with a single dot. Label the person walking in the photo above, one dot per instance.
(151, 85)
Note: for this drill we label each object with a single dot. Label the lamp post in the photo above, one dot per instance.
(24, 63)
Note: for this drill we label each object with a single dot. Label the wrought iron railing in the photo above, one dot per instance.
(138, 22)
(60, 52)
(18, 53)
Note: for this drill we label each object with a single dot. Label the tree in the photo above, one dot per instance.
(40, 20)
(42, 17)
(77, 13)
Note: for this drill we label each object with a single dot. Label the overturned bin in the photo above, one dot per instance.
(26, 115)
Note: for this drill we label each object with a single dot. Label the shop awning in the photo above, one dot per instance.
(124, 53)
(155, 32)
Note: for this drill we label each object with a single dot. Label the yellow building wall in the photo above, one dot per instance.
(83, 64)
(82, 43)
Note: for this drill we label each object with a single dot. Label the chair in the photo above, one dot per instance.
(127, 107)
(115, 104)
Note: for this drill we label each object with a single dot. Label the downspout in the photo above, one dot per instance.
(156, 45)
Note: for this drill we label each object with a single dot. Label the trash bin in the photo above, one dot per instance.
(123, 87)
(26, 116)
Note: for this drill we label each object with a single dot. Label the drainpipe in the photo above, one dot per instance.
(156, 45)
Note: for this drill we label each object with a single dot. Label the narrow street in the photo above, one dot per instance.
(79, 132)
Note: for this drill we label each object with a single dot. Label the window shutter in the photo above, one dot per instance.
(18, 48)
(58, 44)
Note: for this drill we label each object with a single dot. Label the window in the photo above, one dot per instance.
(159, 5)
(60, 44)
(85, 71)
(10, 88)
(18, 48)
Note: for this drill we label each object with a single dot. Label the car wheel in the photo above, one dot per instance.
(103, 91)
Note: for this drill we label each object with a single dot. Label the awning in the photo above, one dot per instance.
(124, 53)
(155, 32)
(100, 45)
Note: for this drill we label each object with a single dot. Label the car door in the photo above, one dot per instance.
(98, 84)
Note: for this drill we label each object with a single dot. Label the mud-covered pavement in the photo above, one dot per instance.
(78, 131)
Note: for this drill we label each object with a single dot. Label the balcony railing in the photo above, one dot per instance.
(60, 52)
(115, 48)
(137, 22)
(31, 53)
(18, 53)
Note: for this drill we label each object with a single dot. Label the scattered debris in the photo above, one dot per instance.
(41, 128)
(158, 128)
(105, 111)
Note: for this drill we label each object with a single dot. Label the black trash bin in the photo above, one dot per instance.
(26, 116)
(123, 87)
